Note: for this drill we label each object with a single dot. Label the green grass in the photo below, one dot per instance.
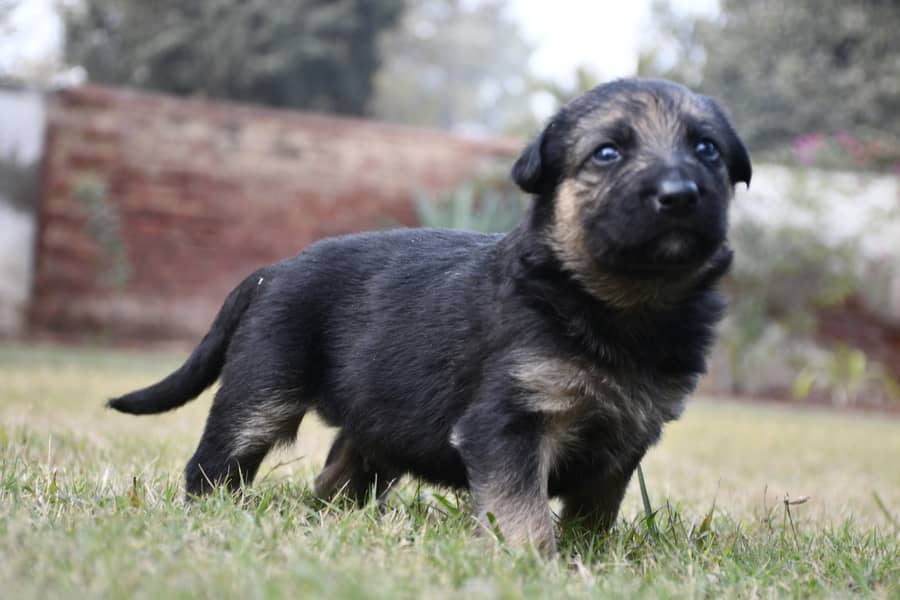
(90, 505)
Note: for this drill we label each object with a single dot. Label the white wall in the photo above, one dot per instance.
(22, 115)
(21, 123)
(16, 247)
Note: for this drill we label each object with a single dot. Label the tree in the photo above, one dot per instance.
(455, 64)
(6, 8)
(312, 54)
(789, 68)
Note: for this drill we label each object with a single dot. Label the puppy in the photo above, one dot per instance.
(537, 364)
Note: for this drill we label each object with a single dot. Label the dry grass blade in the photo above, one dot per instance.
(887, 513)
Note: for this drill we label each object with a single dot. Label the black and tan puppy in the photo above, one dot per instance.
(538, 364)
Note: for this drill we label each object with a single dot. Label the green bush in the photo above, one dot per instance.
(489, 203)
(791, 263)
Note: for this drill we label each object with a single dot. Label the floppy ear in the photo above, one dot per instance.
(529, 169)
(739, 167)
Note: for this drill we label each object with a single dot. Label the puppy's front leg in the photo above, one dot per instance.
(507, 467)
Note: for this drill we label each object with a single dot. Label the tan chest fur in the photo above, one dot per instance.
(572, 395)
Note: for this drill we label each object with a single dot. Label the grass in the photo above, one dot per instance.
(90, 505)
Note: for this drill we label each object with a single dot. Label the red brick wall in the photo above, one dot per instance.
(154, 207)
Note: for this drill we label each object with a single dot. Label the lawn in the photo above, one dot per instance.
(90, 505)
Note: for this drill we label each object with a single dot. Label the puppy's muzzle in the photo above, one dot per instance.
(677, 197)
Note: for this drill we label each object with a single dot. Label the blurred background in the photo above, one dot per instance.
(153, 153)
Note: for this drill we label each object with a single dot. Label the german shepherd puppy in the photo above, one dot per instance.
(537, 364)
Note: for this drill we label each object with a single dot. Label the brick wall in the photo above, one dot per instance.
(154, 207)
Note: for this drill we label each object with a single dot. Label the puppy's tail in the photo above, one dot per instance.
(203, 366)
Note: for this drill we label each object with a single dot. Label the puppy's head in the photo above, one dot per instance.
(633, 181)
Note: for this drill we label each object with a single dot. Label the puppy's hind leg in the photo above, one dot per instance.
(243, 425)
(594, 507)
(347, 470)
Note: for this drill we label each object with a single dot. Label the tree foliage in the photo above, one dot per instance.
(455, 64)
(789, 68)
(312, 54)
(6, 8)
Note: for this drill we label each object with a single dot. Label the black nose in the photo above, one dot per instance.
(677, 197)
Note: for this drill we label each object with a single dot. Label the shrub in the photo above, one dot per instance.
(799, 250)
(489, 203)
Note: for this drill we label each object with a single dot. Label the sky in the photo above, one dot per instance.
(37, 31)
(602, 34)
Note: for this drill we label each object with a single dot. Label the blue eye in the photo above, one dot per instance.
(707, 150)
(606, 153)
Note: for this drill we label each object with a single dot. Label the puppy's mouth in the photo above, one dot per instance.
(670, 252)
(678, 246)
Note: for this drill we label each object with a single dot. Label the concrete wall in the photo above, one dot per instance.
(154, 207)
(16, 255)
(21, 141)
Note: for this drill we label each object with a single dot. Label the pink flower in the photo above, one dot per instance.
(851, 145)
(807, 146)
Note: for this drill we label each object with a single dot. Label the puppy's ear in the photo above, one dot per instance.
(530, 169)
(739, 167)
